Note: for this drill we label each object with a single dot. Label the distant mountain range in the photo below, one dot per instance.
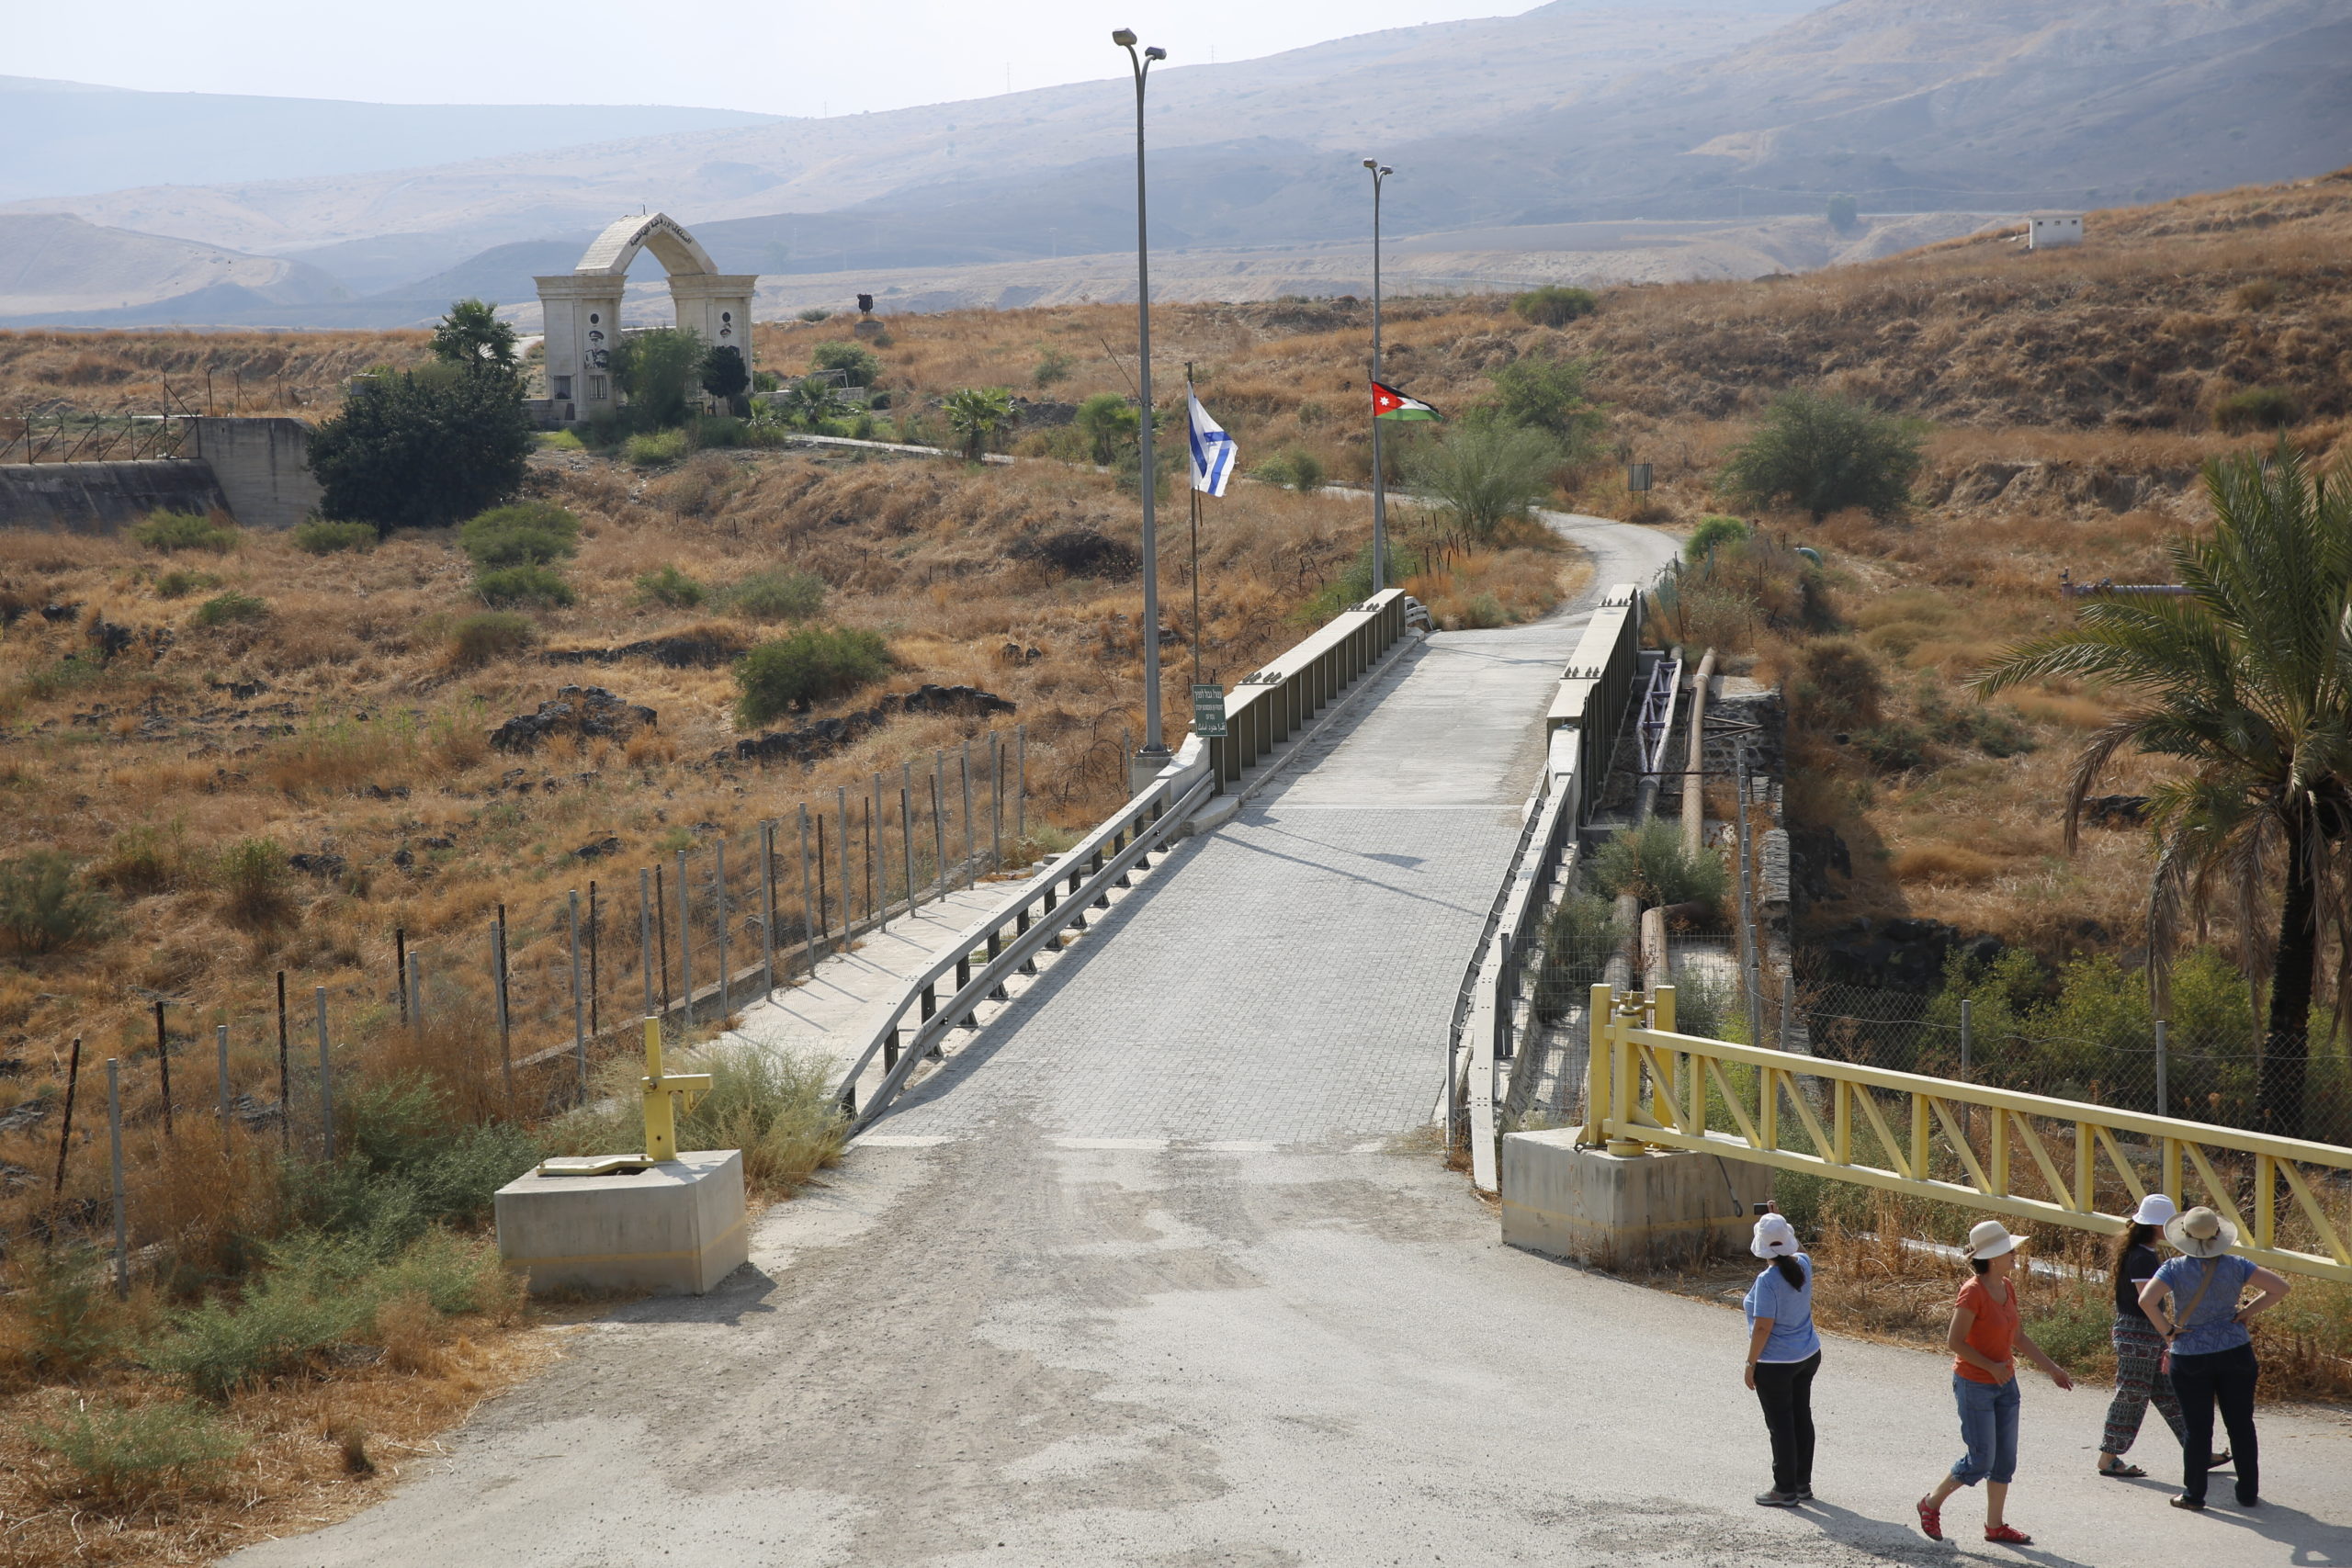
(1576, 111)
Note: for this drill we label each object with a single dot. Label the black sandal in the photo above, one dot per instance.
(2123, 1473)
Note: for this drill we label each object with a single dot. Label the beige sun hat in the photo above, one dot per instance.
(2201, 1233)
(1989, 1238)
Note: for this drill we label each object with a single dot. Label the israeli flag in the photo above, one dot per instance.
(1212, 449)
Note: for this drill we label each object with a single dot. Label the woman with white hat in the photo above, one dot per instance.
(1986, 1336)
(2138, 1349)
(2193, 1303)
(1783, 1353)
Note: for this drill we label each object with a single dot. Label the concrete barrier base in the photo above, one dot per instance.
(676, 1228)
(1645, 1211)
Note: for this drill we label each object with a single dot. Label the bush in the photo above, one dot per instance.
(423, 449)
(655, 368)
(807, 667)
(43, 906)
(1895, 746)
(1554, 305)
(771, 1106)
(814, 313)
(493, 633)
(1577, 941)
(185, 531)
(1111, 426)
(1710, 532)
(668, 585)
(1650, 863)
(857, 363)
(403, 1168)
(528, 533)
(776, 595)
(1481, 473)
(118, 1450)
(253, 876)
(1294, 467)
(320, 537)
(655, 448)
(179, 584)
(1053, 365)
(539, 585)
(2256, 408)
(1825, 454)
(145, 859)
(231, 609)
(1843, 211)
(721, 430)
(1547, 394)
(67, 1318)
(1837, 685)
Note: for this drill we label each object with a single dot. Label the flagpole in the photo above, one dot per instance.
(1154, 755)
(1379, 468)
(1195, 489)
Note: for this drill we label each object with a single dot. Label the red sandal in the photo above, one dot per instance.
(1931, 1520)
(2007, 1535)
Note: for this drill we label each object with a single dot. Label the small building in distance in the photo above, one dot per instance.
(2047, 230)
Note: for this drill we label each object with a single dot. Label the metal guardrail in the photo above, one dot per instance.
(1266, 706)
(1648, 1084)
(1011, 935)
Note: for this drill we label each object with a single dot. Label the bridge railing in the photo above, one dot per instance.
(1266, 706)
(2024, 1155)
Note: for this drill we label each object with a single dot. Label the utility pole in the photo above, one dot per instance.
(1154, 755)
(1380, 172)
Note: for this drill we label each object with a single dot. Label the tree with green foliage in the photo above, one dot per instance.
(857, 363)
(1111, 426)
(809, 666)
(1843, 211)
(1825, 454)
(1542, 392)
(472, 334)
(1554, 305)
(2243, 681)
(655, 368)
(1712, 532)
(812, 401)
(525, 533)
(1481, 471)
(976, 415)
(420, 449)
(724, 376)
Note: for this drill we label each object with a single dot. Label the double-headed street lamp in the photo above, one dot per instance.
(1380, 172)
(1154, 755)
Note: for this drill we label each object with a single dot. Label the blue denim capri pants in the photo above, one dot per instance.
(1988, 1425)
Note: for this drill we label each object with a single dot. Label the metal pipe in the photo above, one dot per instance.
(498, 987)
(579, 1019)
(996, 793)
(66, 1127)
(686, 947)
(1020, 783)
(811, 915)
(114, 1150)
(645, 938)
(971, 847)
(285, 1079)
(718, 884)
(163, 1065)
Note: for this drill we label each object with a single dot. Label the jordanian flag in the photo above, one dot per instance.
(1387, 402)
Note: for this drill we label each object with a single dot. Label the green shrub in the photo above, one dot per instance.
(320, 537)
(1294, 467)
(668, 585)
(1484, 614)
(45, 682)
(561, 441)
(1549, 394)
(67, 1315)
(119, 1450)
(2256, 408)
(655, 448)
(654, 368)
(1053, 365)
(813, 313)
(527, 533)
(493, 633)
(231, 609)
(1111, 426)
(1894, 746)
(146, 859)
(424, 448)
(253, 878)
(1554, 305)
(776, 594)
(1843, 211)
(403, 1168)
(177, 583)
(1710, 532)
(185, 531)
(857, 363)
(285, 1325)
(1837, 685)
(1481, 472)
(723, 374)
(1577, 940)
(1825, 454)
(721, 429)
(1650, 863)
(772, 1106)
(809, 666)
(2075, 1330)
(539, 585)
(45, 909)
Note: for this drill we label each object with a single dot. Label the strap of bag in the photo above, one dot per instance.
(2180, 1319)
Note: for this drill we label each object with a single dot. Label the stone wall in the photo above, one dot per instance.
(263, 466)
(99, 498)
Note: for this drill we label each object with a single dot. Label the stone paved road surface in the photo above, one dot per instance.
(1182, 1293)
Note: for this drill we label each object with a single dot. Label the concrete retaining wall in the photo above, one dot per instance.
(1642, 1211)
(263, 466)
(99, 498)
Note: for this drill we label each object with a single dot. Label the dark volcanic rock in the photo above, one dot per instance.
(673, 652)
(2115, 810)
(326, 863)
(812, 742)
(1895, 954)
(583, 710)
(597, 849)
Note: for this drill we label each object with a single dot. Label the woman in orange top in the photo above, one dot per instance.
(1985, 1338)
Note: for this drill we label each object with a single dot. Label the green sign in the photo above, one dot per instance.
(1208, 712)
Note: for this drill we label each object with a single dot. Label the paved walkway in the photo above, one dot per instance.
(1160, 1273)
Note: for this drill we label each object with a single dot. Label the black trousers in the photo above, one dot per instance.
(1785, 1391)
(2224, 1377)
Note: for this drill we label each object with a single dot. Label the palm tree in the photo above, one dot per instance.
(2246, 679)
(976, 415)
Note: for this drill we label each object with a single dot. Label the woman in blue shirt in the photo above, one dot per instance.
(1783, 1353)
(2193, 1303)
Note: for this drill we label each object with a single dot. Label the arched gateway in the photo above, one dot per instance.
(581, 309)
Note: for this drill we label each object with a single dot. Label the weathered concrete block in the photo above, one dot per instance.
(675, 1229)
(1642, 1211)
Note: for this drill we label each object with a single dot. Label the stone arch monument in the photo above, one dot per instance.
(581, 309)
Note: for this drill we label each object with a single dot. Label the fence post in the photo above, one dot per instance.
(415, 989)
(718, 885)
(907, 834)
(996, 795)
(327, 1078)
(66, 1128)
(1967, 1035)
(1788, 1011)
(400, 968)
(592, 955)
(877, 849)
(1020, 783)
(285, 1076)
(767, 908)
(2164, 1099)
(114, 1149)
(579, 1023)
(686, 947)
(1747, 944)
(645, 939)
(498, 986)
(811, 916)
(163, 1066)
(221, 1034)
(938, 821)
(971, 846)
(840, 809)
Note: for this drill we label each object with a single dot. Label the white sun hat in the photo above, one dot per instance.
(2156, 1209)
(1990, 1238)
(1775, 1237)
(2201, 1233)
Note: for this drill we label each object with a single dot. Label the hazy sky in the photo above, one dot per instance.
(775, 56)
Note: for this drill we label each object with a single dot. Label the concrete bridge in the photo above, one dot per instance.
(1161, 1267)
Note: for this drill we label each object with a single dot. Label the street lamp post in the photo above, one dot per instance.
(1380, 172)
(1146, 763)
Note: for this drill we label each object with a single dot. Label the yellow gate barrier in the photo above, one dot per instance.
(1646, 1084)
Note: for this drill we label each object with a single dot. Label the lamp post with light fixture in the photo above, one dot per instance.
(1145, 763)
(1380, 172)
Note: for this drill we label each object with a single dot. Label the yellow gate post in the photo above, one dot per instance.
(662, 1091)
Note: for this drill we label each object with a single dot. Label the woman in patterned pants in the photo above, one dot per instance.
(2138, 1349)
